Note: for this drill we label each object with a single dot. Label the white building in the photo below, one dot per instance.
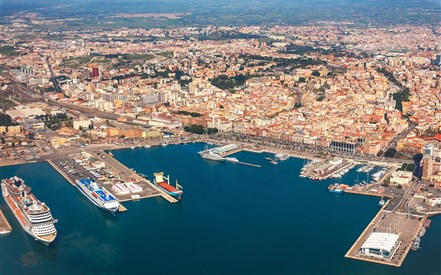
(401, 177)
(381, 245)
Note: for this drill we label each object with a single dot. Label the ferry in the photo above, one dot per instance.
(98, 195)
(34, 216)
(335, 188)
(175, 191)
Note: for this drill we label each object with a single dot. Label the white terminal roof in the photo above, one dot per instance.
(380, 240)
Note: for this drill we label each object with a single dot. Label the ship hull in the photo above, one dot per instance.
(176, 195)
(336, 191)
(97, 203)
(25, 227)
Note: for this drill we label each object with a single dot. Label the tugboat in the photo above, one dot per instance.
(335, 188)
(174, 191)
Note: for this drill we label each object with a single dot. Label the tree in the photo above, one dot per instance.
(315, 73)
(195, 128)
(212, 131)
(5, 120)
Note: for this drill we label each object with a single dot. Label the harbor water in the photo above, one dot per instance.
(233, 219)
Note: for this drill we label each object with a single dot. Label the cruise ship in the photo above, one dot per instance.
(98, 195)
(34, 216)
(175, 191)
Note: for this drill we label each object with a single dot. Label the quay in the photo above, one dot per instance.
(404, 227)
(61, 172)
(124, 169)
(5, 227)
(121, 208)
(367, 193)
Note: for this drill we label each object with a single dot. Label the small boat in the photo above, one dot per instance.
(147, 146)
(381, 202)
(164, 144)
(416, 244)
(273, 161)
(335, 188)
(422, 232)
(427, 223)
(132, 147)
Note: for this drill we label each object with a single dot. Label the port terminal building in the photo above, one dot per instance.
(380, 244)
(225, 149)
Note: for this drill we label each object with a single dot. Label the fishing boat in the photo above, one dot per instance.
(174, 191)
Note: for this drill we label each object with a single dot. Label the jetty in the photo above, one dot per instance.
(249, 164)
(121, 208)
(5, 227)
(61, 172)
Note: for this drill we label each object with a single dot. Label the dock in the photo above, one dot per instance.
(61, 172)
(121, 167)
(5, 227)
(121, 208)
(404, 225)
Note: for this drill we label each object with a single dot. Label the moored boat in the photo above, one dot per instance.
(33, 215)
(335, 188)
(175, 191)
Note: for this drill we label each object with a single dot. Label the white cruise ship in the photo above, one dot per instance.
(98, 195)
(34, 216)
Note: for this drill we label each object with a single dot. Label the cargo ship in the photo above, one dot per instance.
(174, 191)
(335, 188)
(98, 195)
(34, 216)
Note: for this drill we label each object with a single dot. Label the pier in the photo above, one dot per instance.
(61, 172)
(250, 164)
(404, 225)
(118, 166)
(5, 227)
